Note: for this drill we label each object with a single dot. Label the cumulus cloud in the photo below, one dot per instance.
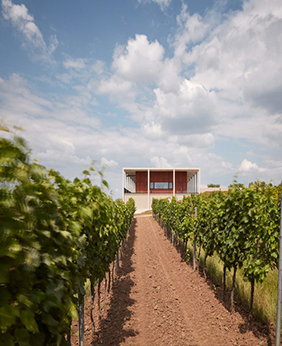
(247, 166)
(139, 61)
(23, 21)
(240, 56)
(192, 29)
(66, 140)
(152, 130)
(223, 82)
(117, 88)
(190, 110)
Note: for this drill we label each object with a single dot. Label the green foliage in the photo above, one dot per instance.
(54, 234)
(242, 226)
(213, 185)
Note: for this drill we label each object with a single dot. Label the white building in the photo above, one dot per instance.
(144, 184)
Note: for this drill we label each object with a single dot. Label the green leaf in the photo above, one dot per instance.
(22, 337)
(105, 183)
(6, 340)
(28, 320)
(4, 273)
(24, 300)
(8, 315)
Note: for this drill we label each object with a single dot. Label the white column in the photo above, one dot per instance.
(199, 181)
(149, 207)
(173, 182)
(122, 183)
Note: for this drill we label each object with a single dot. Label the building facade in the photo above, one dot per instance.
(144, 184)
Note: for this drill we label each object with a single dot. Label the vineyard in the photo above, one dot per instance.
(55, 234)
(241, 227)
(60, 236)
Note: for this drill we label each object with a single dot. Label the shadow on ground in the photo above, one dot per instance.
(250, 323)
(112, 330)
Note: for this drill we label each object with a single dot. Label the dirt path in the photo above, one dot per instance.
(158, 300)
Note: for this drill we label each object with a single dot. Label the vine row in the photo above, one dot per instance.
(241, 227)
(54, 235)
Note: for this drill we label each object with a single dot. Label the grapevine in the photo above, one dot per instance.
(55, 234)
(242, 227)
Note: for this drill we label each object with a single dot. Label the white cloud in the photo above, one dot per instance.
(140, 61)
(23, 21)
(162, 3)
(247, 166)
(192, 29)
(98, 67)
(152, 130)
(74, 63)
(19, 103)
(108, 163)
(222, 83)
(160, 162)
(241, 56)
(190, 110)
(66, 140)
(53, 44)
(117, 88)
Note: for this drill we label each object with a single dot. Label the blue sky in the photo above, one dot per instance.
(153, 83)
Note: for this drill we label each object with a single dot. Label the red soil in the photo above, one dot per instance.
(158, 300)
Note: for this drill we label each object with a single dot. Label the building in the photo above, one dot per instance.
(144, 184)
(213, 189)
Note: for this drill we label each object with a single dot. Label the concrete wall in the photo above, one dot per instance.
(178, 196)
(141, 199)
(212, 189)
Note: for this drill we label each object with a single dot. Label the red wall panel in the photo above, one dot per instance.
(181, 182)
(161, 177)
(166, 176)
(142, 181)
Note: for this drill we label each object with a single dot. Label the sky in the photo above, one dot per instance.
(146, 83)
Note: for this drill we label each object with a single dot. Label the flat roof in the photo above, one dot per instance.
(132, 169)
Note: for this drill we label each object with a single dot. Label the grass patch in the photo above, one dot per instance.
(265, 296)
(147, 212)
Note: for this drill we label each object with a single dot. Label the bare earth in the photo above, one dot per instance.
(158, 300)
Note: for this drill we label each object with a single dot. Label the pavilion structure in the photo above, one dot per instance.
(144, 184)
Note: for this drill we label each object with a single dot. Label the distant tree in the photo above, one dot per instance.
(213, 185)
